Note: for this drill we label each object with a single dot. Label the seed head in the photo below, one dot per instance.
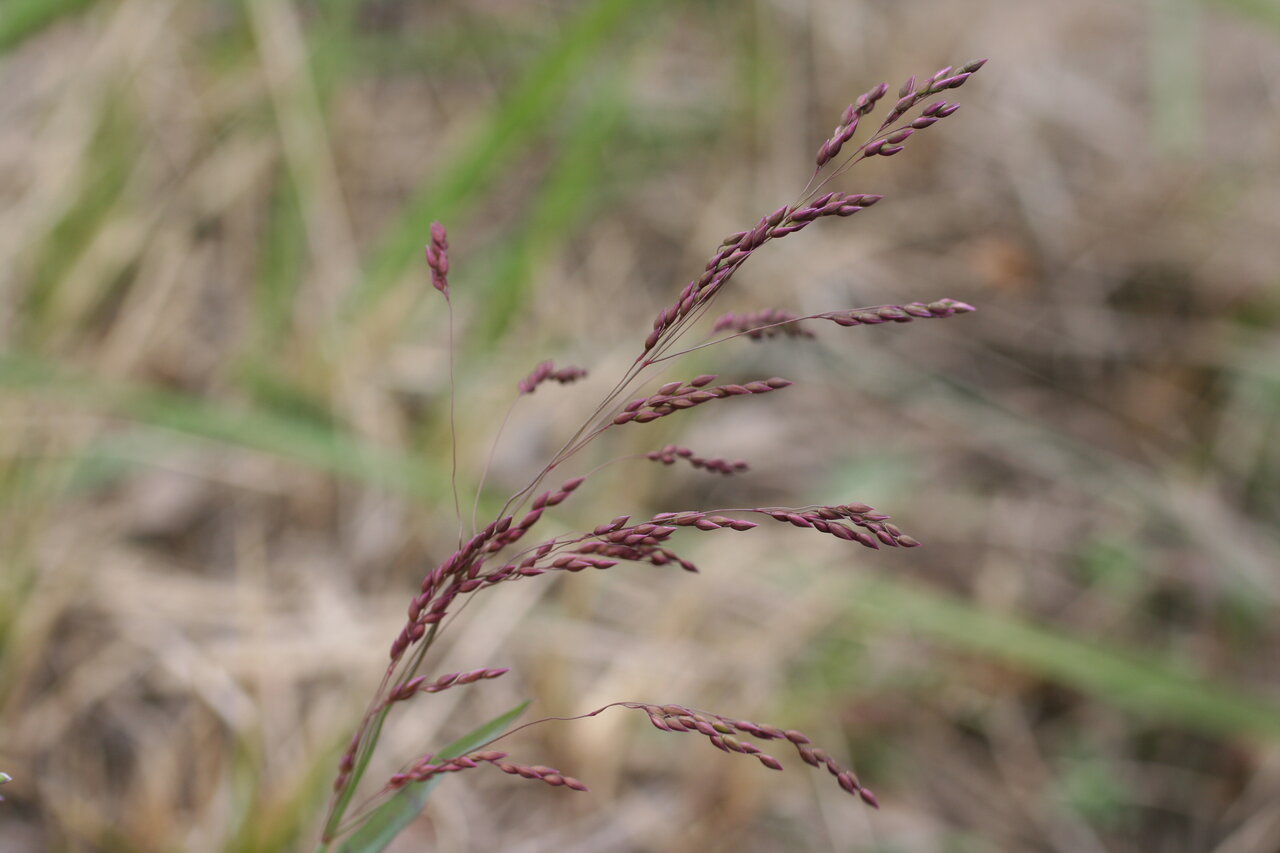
(438, 258)
(546, 372)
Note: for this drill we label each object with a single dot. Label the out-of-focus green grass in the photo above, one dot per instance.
(1164, 690)
(20, 19)
(326, 448)
(512, 124)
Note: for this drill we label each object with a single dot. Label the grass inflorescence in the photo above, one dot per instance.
(497, 552)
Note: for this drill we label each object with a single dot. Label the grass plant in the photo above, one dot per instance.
(496, 554)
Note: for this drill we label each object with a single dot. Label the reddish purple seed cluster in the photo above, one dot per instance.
(669, 454)
(420, 684)
(830, 204)
(875, 527)
(737, 247)
(675, 396)
(640, 543)
(733, 252)
(722, 733)
(909, 96)
(897, 313)
(771, 321)
(848, 125)
(460, 573)
(704, 521)
(438, 258)
(547, 372)
(428, 767)
(617, 540)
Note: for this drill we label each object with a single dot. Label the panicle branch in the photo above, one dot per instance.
(723, 733)
(669, 454)
(909, 96)
(875, 527)
(771, 321)
(736, 249)
(407, 689)
(897, 313)
(547, 372)
(675, 396)
(426, 767)
(460, 573)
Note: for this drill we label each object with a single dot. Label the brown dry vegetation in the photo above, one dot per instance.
(224, 450)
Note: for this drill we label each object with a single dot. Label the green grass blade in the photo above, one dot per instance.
(368, 743)
(282, 266)
(49, 310)
(389, 819)
(575, 186)
(1147, 685)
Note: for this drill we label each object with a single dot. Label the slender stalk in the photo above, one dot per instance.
(453, 423)
(488, 463)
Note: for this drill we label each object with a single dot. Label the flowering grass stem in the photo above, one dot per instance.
(491, 555)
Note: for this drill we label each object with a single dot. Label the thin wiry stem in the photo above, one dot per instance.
(453, 423)
(573, 444)
(488, 463)
(823, 315)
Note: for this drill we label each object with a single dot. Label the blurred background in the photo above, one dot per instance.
(224, 442)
